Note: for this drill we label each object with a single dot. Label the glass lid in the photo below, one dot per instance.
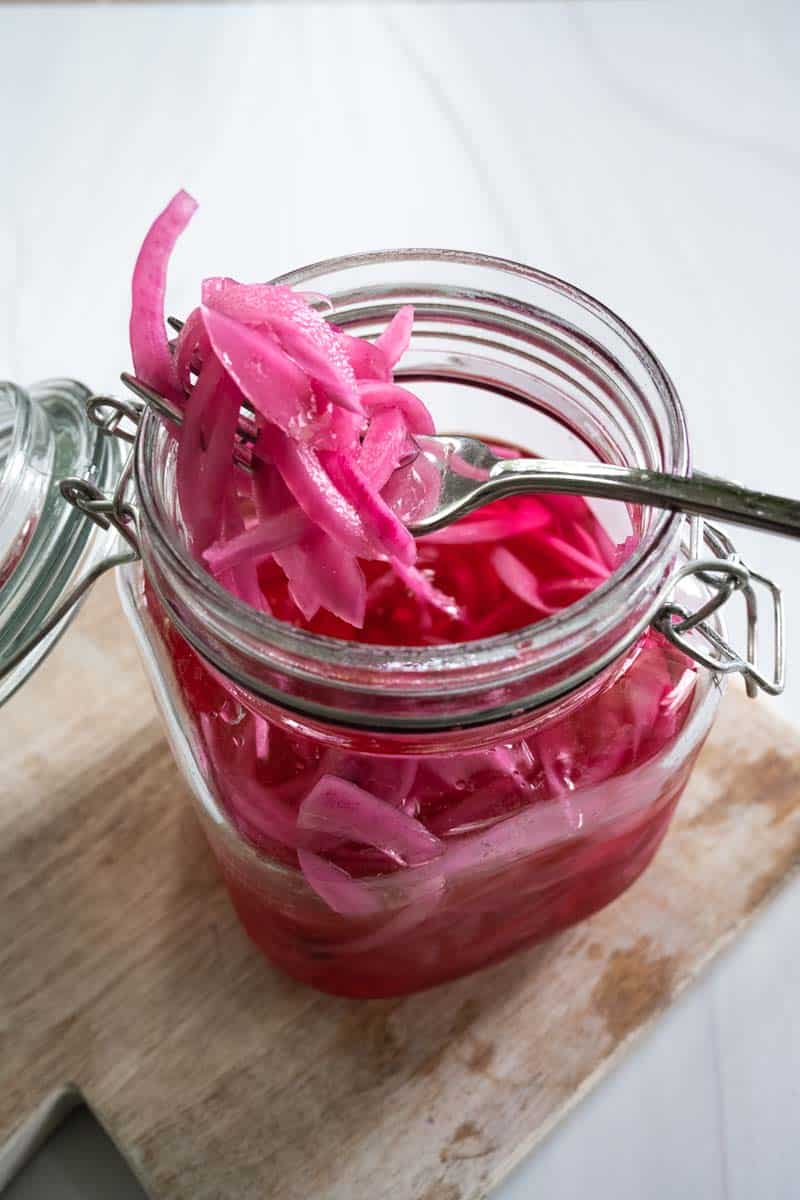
(46, 544)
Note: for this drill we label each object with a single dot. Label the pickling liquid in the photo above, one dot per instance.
(549, 823)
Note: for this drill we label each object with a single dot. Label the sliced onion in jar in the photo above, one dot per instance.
(152, 360)
(345, 895)
(338, 808)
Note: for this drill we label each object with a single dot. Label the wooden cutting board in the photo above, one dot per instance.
(123, 969)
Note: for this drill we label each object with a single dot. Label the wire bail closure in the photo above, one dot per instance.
(725, 574)
(691, 632)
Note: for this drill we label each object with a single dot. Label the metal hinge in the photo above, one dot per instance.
(725, 574)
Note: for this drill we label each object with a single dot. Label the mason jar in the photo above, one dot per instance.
(546, 762)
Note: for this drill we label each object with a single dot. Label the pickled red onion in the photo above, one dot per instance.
(322, 575)
(367, 360)
(265, 374)
(330, 429)
(339, 890)
(302, 332)
(388, 534)
(383, 447)
(518, 578)
(341, 809)
(378, 394)
(265, 537)
(315, 492)
(204, 463)
(393, 342)
(152, 361)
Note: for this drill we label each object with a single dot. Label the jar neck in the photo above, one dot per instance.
(520, 356)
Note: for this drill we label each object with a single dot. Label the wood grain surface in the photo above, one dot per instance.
(122, 967)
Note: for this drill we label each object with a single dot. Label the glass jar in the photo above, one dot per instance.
(547, 762)
(546, 726)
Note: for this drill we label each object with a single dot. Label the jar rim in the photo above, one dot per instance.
(425, 671)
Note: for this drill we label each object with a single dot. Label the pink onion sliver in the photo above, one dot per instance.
(423, 589)
(204, 463)
(366, 359)
(480, 809)
(553, 748)
(382, 447)
(267, 376)
(673, 701)
(590, 542)
(347, 896)
(262, 539)
(241, 582)
(376, 395)
(270, 493)
(393, 342)
(337, 428)
(314, 491)
(344, 588)
(648, 686)
(304, 587)
(413, 490)
(303, 332)
(320, 574)
(242, 578)
(389, 535)
(676, 696)
(336, 807)
(388, 778)
(518, 578)
(248, 800)
(320, 355)
(405, 774)
(152, 360)
(192, 348)
(250, 303)
(567, 591)
(489, 529)
(577, 557)
(535, 829)
(423, 890)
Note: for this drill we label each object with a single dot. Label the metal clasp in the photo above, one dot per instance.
(105, 511)
(724, 574)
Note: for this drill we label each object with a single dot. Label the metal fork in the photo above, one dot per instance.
(472, 475)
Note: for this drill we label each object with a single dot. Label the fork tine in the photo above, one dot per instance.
(247, 430)
(154, 399)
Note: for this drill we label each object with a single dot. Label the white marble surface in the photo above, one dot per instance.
(650, 152)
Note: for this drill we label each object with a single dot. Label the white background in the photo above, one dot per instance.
(648, 152)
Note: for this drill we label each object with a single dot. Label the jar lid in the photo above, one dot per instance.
(46, 544)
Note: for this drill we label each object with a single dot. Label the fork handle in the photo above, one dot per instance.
(704, 495)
